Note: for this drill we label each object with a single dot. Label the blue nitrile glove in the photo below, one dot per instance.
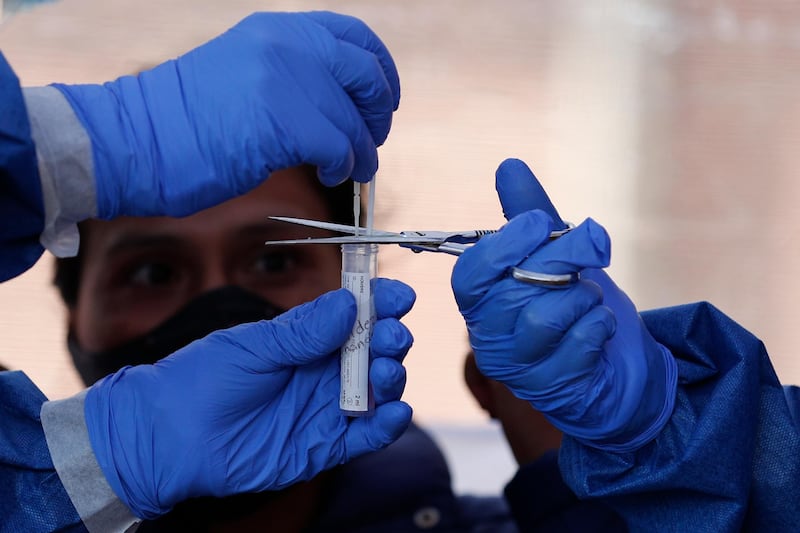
(275, 91)
(251, 408)
(580, 355)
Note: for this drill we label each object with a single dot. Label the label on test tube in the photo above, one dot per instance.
(356, 398)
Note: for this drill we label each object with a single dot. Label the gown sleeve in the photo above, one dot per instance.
(21, 204)
(32, 497)
(728, 458)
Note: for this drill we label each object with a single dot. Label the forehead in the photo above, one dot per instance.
(291, 192)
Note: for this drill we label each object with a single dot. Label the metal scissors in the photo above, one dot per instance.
(449, 242)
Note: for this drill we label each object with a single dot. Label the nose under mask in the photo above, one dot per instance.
(218, 309)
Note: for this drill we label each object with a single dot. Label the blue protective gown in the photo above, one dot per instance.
(728, 459)
(21, 206)
(32, 498)
(27, 475)
(541, 502)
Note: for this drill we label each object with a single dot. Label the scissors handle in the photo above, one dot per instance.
(550, 281)
(451, 248)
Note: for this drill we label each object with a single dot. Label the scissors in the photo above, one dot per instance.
(449, 242)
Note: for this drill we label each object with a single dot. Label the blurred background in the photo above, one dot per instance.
(674, 124)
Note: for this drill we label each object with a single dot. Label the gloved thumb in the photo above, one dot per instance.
(520, 191)
(301, 335)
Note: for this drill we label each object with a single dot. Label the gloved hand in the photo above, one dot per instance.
(251, 408)
(275, 91)
(580, 355)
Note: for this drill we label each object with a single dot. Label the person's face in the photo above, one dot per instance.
(137, 272)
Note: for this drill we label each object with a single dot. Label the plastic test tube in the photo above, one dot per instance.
(359, 267)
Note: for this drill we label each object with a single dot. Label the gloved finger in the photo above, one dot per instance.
(586, 246)
(353, 155)
(302, 335)
(390, 338)
(335, 137)
(360, 105)
(393, 298)
(388, 378)
(543, 323)
(356, 32)
(369, 433)
(364, 111)
(322, 144)
(575, 356)
(489, 260)
(361, 76)
(520, 191)
(613, 296)
(365, 162)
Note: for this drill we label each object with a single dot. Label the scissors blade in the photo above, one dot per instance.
(450, 242)
(361, 239)
(364, 237)
(341, 228)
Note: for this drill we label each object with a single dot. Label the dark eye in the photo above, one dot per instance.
(150, 274)
(275, 262)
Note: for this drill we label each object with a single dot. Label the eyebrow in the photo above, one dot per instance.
(126, 242)
(266, 230)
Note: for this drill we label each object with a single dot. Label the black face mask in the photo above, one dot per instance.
(217, 309)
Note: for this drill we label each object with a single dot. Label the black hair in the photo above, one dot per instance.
(339, 200)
